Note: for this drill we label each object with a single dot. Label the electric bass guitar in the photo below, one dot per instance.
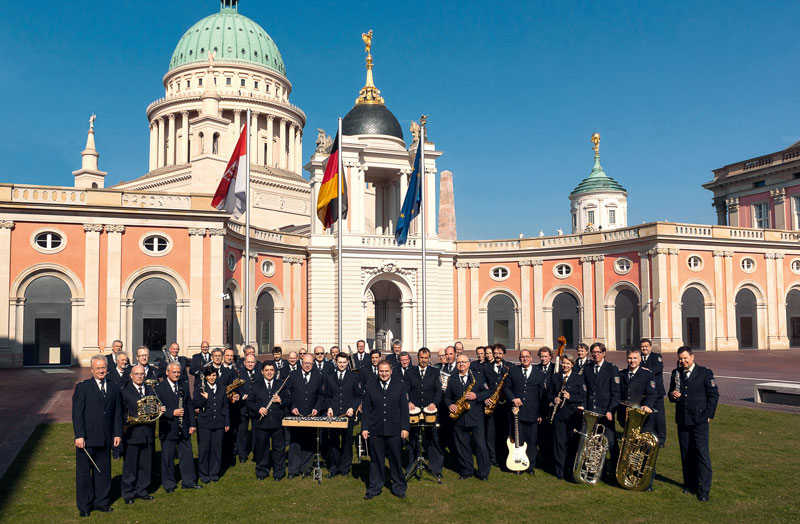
(517, 455)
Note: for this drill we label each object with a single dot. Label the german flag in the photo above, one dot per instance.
(327, 202)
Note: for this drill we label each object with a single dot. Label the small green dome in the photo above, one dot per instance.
(598, 181)
(233, 37)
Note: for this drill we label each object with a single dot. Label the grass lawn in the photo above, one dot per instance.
(754, 453)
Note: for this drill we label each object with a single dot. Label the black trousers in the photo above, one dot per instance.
(379, 447)
(465, 449)
(230, 441)
(92, 489)
(660, 421)
(269, 447)
(610, 426)
(545, 440)
(242, 443)
(528, 434)
(340, 449)
(431, 445)
(183, 448)
(497, 438)
(695, 458)
(565, 443)
(137, 470)
(302, 446)
(209, 452)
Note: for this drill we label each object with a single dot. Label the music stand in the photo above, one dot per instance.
(315, 465)
(421, 463)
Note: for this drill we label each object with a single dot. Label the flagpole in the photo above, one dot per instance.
(423, 205)
(340, 226)
(246, 265)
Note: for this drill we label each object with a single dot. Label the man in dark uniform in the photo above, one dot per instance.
(497, 423)
(269, 442)
(446, 369)
(694, 391)
(425, 392)
(653, 362)
(278, 360)
(200, 360)
(175, 428)
(304, 398)
(120, 373)
(143, 359)
(250, 373)
(393, 358)
(638, 387)
(172, 356)
(370, 373)
(361, 358)
(139, 441)
(293, 361)
(469, 426)
(342, 393)
(525, 388)
(384, 426)
(213, 421)
(602, 388)
(545, 437)
(476, 366)
(583, 358)
(116, 349)
(97, 423)
(403, 371)
(319, 359)
(570, 384)
(229, 373)
(248, 350)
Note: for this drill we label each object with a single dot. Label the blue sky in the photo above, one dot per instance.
(514, 91)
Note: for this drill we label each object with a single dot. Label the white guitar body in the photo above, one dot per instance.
(517, 455)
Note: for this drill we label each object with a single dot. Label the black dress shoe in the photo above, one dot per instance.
(169, 490)
(292, 476)
(649, 490)
(129, 501)
(702, 498)
(260, 477)
(483, 478)
(145, 497)
(464, 477)
(196, 486)
(109, 509)
(86, 513)
(330, 475)
(242, 460)
(278, 479)
(400, 496)
(345, 474)
(368, 496)
(687, 491)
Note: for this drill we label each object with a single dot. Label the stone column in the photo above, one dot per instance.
(539, 322)
(253, 135)
(271, 142)
(647, 303)
(730, 300)
(779, 201)
(292, 131)
(587, 314)
(461, 269)
(675, 300)
(184, 153)
(282, 149)
(782, 340)
(525, 297)
(5, 282)
(171, 144)
(237, 124)
(216, 272)
(474, 297)
(719, 294)
(298, 151)
(733, 211)
(113, 283)
(153, 145)
(599, 297)
(196, 236)
(92, 286)
(160, 152)
(297, 301)
(658, 257)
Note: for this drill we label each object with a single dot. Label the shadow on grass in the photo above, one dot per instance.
(19, 467)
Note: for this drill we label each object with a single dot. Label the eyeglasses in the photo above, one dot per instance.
(137, 374)
(319, 353)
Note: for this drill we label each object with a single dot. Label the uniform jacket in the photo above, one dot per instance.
(260, 397)
(532, 392)
(305, 397)
(455, 389)
(547, 371)
(699, 396)
(393, 359)
(655, 364)
(169, 427)
(136, 433)
(95, 418)
(398, 374)
(603, 388)
(246, 388)
(361, 359)
(576, 387)
(341, 396)
(425, 391)
(183, 361)
(385, 412)
(214, 411)
(493, 378)
(121, 381)
(641, 389)
(198, 363)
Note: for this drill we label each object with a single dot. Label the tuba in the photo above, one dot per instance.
(638, 451)
(148, 409)
(592, 449)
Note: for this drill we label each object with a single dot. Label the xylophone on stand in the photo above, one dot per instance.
(318, 423)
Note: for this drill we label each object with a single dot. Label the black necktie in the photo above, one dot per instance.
(250, 374)
(306, 377)
(341, 377)
(497, 369)
(103, 388)
(384, 385)
(422, 373)
(269, 385)
(525, 373)
(141, 391)
(374, 370)
(175, 389)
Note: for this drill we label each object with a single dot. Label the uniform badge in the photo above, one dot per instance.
(616, 379)
(660, 359)
(713, 383)
(653, 384)
(584, 387)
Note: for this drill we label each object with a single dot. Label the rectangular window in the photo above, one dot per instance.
(255, 84)
(200, 82)
(188, 84)
(612, 216)
(241, 82)
(590, 217)
(760, 183)
(574, 220)
(228, 81)
(761, 215)
(797, 212)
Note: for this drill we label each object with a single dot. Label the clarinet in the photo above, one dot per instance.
(180, 405)
(560, 396)
(676, 375)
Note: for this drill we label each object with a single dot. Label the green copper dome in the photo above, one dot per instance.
(598, 181)
(232, 36)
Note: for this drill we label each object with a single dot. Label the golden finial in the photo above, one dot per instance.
(369, 94)
(596, 142)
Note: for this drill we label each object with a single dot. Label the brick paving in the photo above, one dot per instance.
(34, 396)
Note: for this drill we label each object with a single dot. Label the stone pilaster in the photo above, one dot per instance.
(284, 123)
(113, 283)
(5, 282)
(733, 211)
(92, 287)
(647, 303)
(461, 283)
(161, 141)
(216, 271)
(183, 155)
(779, 201)
(474, 297)
(171, 145)
(196, 236)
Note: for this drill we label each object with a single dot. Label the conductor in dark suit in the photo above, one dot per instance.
(304, 398)
(342, 392)
(694, 391)
(175, 428)
(469, 426)
(139, 441)
(269, 440)
(602, 391)
(567, 417)
(655, 363)
(97, 423)
(425, 392)
(384, 426)
(525, 388)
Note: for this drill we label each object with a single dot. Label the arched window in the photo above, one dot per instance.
(215, 144)
(200, 143)
(47, 323)
(155, 313)
(265, 320)
(501, 328)
(693, 318)
(746, 319)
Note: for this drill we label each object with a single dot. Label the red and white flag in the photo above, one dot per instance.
(231, 195)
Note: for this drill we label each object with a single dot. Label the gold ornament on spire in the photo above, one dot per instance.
(596, 142)
(369, 94)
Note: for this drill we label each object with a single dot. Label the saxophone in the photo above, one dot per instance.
(592, 449)
(494, 400)
(638, 451)
(462, 404)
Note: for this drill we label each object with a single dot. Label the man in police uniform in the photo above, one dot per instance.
(403, 371)
(361, 358)
(97, 423)
(384, 426)
(269, 440)
(638, 386)
(143, 359)
(394, 357)
(200, 360)
(469, 426)
(497, 423)
(116, 349)
(653, 361)
(172, 356)
(304, 392)
(425, 392)
(250, 372)
(139, 441)
(602, 389)
(342, 393)
(694, 391)
(525, 388)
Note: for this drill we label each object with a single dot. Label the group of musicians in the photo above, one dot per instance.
(483, 406)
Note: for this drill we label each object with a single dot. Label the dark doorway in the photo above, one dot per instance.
(384, 315)
(693, 318)
(793, 317)
(626, 313)
(48, 340)
(265, 320)
(154, 333)
(501, 326)
(746, 320)
(47, 323)
(155, 313)
(693, 332)
(566, 319)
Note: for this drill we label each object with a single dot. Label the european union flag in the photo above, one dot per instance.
(411, 204)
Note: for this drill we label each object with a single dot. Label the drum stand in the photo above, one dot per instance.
(315, 466)
(421, 463)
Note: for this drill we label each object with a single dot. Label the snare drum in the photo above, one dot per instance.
(430, 415)
(415, 415)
